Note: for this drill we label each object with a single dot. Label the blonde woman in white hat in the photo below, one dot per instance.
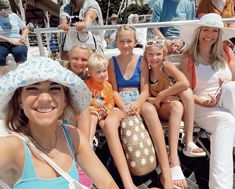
(34, 98)
(210, 67)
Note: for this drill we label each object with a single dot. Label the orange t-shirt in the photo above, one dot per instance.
(101, 94)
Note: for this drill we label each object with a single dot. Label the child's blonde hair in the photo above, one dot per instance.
(97, 61)
(164, 47)
(125, 28)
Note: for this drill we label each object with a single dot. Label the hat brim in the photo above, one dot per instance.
(42, 69)
(187, 32)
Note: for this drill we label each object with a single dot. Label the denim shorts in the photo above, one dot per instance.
(129, 97)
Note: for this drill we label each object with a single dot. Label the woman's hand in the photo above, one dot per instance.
(80, 26)
(212, 101)
(64, 26)
(17, 43)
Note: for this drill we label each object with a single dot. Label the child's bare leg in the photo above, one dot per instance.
(187, 99)
(155, 130)
(173, 111)
(94, 121)
(110, 129)
(188, 117)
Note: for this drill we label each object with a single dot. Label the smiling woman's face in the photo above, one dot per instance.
(43, 103)
(78, 59)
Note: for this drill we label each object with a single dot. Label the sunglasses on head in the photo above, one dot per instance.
(158, 42)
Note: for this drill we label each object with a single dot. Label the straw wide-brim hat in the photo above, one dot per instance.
(214, 20)
(113, 16)
(40, 69)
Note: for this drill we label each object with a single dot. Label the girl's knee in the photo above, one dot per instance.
(176, 107)
(186, 94)
(148, 108)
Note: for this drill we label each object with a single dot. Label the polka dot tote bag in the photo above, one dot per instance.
(137, 145)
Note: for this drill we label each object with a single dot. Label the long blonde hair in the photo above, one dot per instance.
(218, 56)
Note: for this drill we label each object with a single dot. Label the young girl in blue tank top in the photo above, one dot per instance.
(34, 98)
(128, 74)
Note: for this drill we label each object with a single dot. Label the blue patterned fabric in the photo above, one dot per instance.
(39, 69)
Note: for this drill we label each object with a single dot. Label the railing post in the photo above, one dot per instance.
(40, 44)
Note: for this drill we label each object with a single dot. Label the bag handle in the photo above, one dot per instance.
(49, 161)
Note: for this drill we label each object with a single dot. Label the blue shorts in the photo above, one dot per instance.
(129, 97)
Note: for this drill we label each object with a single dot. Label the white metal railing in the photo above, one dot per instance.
(40, 31)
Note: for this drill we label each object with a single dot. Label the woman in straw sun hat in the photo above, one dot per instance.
(210, 67)
(34, 99)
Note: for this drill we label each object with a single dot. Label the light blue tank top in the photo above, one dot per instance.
(134, 81)
(29, 178)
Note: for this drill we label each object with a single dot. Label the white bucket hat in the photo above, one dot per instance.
(187, 31)
(39, 69)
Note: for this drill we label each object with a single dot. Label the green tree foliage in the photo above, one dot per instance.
(113, 8)
(135, 9)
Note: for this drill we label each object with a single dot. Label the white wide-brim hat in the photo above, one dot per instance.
(187, 31)
(39, 69)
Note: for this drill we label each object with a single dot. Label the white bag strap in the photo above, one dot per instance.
(49, 161)
(4, 185)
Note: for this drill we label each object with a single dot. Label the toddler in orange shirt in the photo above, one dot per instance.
(102, 93)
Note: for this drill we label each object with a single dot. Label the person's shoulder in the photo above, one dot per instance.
(186, 2)
(107, 84)
(13, 15)
(10, 142)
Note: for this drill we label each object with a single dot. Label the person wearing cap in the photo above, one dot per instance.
(11, 41)
(109, 35)
(34, 99)
(210, 68)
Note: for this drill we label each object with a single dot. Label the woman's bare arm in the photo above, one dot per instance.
(91, 164)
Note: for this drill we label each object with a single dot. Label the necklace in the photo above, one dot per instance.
(204, 60)
(44, 148)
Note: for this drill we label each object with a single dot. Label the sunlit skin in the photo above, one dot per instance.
(126, 41)
(43, 103)
(78, 59)
(99, 74)
(208, 35)
(155, 56)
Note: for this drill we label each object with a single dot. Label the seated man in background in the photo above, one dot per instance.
(11, 41)
(171, 10)
(109, 35)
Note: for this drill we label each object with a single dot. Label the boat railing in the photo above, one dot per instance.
(49, 31)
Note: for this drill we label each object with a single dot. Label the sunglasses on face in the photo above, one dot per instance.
(158, 42)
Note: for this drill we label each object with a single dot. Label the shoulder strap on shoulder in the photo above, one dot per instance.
(226, 50)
